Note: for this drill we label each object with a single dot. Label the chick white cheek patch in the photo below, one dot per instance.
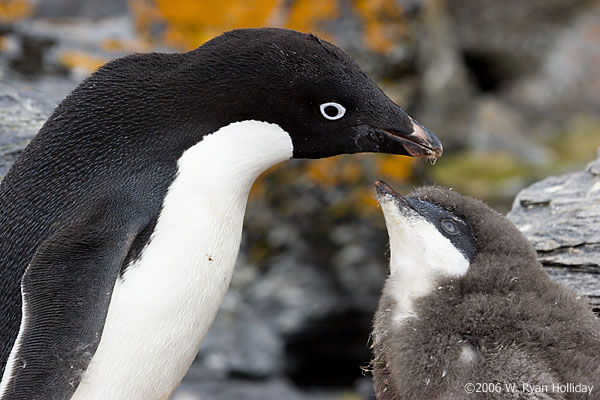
(420, 256)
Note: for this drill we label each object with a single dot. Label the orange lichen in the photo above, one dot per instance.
(145, 15)
(347, 170)
(382, 21)
(78, 60)
(119, 45)
(394, 167)
(322, 172)
(12, 10)
(259, 187)
(191, 22)
(306, 15)
(366, 198)
(334, 171)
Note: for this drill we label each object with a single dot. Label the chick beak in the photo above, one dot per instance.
(385, 194)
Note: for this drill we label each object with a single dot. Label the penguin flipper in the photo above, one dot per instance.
(66, 291)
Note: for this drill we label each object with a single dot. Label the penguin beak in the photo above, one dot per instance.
(385, 193)
(411, 139)
(421, 142)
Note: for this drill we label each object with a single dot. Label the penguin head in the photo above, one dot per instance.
(445, 235)
(428, 242)
(312, 90)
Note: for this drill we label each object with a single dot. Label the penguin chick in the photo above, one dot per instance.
(468, 312)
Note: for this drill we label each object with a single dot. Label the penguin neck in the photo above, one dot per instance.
(203, 211)
(420, 258)
(209, 194)
(227, 162)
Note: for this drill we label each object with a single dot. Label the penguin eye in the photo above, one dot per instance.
(449, 226)
(332, 111)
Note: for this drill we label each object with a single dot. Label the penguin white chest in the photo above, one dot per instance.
(162, 308)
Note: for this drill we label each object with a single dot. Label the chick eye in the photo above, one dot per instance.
(332, 111)
(449, 226)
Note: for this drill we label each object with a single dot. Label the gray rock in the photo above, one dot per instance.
(496, 126)
(568, 78)
(24, 107)
(447, 89)
(20, 118)
(291, 294)
(240, 343)
(560, 216)
(66, 9)
(237, 389)
(39, 46)
(279, 389)
(21, 115)
(511, 37)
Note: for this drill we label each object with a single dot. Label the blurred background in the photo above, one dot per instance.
(512, 88)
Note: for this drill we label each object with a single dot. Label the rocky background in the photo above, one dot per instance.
(512, 88)
(560, 216)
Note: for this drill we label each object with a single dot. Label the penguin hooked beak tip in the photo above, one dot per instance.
(383, 189)
(386, 193)
(421, 142)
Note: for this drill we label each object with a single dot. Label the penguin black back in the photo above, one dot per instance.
(94, 163)
(501, 322)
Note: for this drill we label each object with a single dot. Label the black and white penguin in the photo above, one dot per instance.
(469, 313)
(120, 223)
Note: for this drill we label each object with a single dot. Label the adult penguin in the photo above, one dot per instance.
(120, 223)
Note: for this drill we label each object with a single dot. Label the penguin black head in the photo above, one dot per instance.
(426, 219)
(428, 241)
(156, 106)
(448, 231)
(310, 88)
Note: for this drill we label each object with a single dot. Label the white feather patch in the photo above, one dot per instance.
(420, 256)
(162, 309)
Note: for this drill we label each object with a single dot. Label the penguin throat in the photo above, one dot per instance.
(420, 257)
(235, 155)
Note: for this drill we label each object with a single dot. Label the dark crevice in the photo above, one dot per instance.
(585, 268)
(487, 71)
(595, 303)
(330, 351)
(532, 203)
(242, 376)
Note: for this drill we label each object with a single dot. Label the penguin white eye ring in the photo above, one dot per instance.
(449, 226)
(337, 114)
